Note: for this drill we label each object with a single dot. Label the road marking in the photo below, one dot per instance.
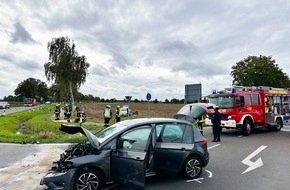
(253, 165)
(213, 146)
(285, 129)
(197, 180)
(209, 173)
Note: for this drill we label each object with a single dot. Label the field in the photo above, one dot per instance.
(94, 111)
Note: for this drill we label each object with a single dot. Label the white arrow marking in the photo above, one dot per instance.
(253, 165)
(197, 180)
(209, 173)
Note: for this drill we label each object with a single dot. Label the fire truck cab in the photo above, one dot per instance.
(247, 108)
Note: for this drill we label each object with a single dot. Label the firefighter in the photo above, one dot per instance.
(57, 111)
(200, 123)
(118, 114)
(78, 114)
(107, 115)
(216, 127)
(67, 112)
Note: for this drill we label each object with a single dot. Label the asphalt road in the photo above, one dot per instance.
(16, 109)
(267, 152)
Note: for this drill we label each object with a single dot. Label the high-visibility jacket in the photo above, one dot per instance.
(118, 112)
(200, 121)
(107, 113)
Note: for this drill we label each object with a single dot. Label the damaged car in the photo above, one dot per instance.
(127, 152)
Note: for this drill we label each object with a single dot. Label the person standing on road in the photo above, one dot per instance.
(107, 115)
(118, 114)
(216, 125)
(200, 122)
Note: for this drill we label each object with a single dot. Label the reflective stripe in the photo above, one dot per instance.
(107, 113)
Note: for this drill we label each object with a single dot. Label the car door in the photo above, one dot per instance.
(173, 146)
(128, 160)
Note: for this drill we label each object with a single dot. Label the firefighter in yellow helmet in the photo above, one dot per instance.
(118, 114)
(107, 115)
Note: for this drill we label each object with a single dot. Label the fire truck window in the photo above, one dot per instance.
(238, 101)
(256, 100)
(248, 99)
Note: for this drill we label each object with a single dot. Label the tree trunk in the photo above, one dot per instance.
(71, 96)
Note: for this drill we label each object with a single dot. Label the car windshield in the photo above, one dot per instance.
(222, 101)
(108, 132)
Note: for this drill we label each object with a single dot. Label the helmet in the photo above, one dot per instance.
(118, 106)
(108, 106)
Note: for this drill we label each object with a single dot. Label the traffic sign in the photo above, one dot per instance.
(148, 96)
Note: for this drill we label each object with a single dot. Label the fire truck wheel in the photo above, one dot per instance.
(279, 124)
(247, 127)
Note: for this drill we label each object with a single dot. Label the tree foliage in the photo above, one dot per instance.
(32, 88)
(66, 68)
(259, 71)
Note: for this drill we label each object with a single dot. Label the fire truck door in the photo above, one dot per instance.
(258, 112)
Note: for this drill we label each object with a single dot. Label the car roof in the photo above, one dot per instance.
(142, 121)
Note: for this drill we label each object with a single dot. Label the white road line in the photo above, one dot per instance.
(213, 146)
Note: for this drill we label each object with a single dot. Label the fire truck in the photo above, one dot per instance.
(29, 102)
(248, 108)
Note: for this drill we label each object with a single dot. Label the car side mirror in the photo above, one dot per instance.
(120, 144)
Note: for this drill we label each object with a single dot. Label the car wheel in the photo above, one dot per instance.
(88, 180)
(247, 127)
(192, 167)
(279, 124)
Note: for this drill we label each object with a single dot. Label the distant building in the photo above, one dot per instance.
(192, 93)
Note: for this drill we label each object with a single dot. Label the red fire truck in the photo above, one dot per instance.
(29, 102)
(247, 108)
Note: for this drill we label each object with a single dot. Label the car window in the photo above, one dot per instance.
(187, 137)
(110, 144)
(172, 133)
(158, 129)
(135, 139)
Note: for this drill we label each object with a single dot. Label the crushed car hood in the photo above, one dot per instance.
(191, 112)
(73, 129)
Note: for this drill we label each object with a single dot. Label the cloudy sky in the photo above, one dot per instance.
(140, 46)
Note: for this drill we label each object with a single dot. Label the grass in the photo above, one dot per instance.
(38, 125)
(35, 125)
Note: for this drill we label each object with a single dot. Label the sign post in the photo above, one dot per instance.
(148, 97)
(128, 98)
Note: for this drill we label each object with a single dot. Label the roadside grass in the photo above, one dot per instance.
(35, 126)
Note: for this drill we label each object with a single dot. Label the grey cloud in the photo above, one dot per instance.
(198, 69)
(178, 46)
(30, 65)
(99, 70)
(7, 57)
(21, 34)
(164, 79)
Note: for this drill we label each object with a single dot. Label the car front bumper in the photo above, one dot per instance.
(58, 180)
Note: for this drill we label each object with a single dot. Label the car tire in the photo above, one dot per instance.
(88, 179)
(247, 127)
(192, 167)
